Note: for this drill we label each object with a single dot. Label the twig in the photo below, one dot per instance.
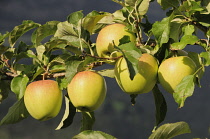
(201, 27)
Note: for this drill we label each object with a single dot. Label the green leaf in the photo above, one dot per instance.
(55, 44)
(203, 19)
(118, 15)
(189, 30)
(18, 85)
(170, 130)
(206, 56)
(131, 54)
(74, 50)
(187, 38)
(23, 69)
(87, 61)
(18, 31)
(90, 134)
(68, 116)
(160, 104)
(21, 55)
(3, 49)
(168, 3)
(3, 37)
(40, 51)
(38, 72)
(65, 29)
(161, 30)
(62, 82)
(22, 47)
(194, 7)
(143, 7)
(184, 89)
(122, 3)
(131, 2)
(4, 89)
(107, 72)
(31, 54)
(56, 68)
(91, 20)
(206, 4)
(75, 17)
(76, 41)
(199, 65)
(10, 52)
(175, 31)
(72, 67)
(88, 121)
(178, 45)
(16, 113)
(43, 31)
(54, 62)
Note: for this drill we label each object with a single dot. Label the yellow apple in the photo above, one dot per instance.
(173, 70)
(87, 90)
(109, 34)
(143, 81)
(43, 99)
(195, 57)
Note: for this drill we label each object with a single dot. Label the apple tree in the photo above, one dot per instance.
(144, 56)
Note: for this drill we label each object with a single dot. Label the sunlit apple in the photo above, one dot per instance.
(43, 99)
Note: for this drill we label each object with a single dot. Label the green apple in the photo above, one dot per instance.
(143, 81)
(108, 35)
(43, 99)
(87, 90)
(194, 56)
(173, 70)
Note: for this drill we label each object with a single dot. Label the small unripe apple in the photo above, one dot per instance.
(143, 81)
(173, 70)
(43, 99)
(87, 90)
(108, 35)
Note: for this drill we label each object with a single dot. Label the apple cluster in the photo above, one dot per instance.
(43, 98)
(87, 90)
(169, 73)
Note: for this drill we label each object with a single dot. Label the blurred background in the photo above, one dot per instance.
(116, 116)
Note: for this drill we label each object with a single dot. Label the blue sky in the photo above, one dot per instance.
(13, 12)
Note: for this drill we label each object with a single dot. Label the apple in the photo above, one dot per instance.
(143, 81)
(43, 99)
(109, 34)
(195, 57)
(87, 90)
(173, 70)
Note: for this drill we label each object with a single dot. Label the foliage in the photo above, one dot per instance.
(58, 50)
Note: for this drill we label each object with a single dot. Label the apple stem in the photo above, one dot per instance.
(133, 99)
(43, 76)
(175, 53)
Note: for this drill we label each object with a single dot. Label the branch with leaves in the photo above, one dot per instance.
(59, 50)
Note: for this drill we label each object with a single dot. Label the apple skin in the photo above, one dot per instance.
(87, 90)
(143, 81)
(197, 62)
(108, 34)
(43, 99)
(173, 70)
